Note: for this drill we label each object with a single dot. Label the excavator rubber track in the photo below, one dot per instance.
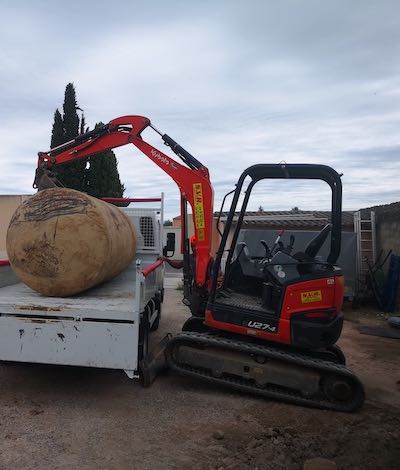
(265, 371)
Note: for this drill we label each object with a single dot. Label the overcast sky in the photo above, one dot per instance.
(235, 82)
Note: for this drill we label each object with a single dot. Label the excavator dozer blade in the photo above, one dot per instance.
(155, 362)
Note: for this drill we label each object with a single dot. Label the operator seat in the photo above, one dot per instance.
(243, 274)
(313, 246)
(249, 266)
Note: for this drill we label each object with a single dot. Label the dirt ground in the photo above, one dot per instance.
(63, 418)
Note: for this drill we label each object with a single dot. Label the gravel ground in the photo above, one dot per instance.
(62, 418)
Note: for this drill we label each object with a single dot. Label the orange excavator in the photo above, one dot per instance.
(270, 327)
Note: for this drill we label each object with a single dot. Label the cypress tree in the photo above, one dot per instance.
(83, 124)
(102, 177)
(72, 175)
(57, 133)
(71, 118)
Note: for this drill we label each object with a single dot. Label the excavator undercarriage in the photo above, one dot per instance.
(266, 371)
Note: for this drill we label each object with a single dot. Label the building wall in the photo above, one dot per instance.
(8, 204)
(388, 236)
(387, 227)
(215, 237)
(388, 232)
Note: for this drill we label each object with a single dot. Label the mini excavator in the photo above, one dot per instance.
(270, 327)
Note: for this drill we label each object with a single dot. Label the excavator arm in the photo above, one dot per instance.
(192, 178)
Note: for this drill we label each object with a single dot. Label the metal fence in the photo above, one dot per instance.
(347, 259)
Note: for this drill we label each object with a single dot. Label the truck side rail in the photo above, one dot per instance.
(128, 200)
(152, 267)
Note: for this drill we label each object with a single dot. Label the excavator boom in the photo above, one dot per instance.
(192, 178)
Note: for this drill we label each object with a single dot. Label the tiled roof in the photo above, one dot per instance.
(298, 219)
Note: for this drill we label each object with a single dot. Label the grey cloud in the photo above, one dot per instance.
(236, 85)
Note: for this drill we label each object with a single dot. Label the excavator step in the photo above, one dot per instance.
(265, 371)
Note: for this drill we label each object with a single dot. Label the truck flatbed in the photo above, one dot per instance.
(113, 300)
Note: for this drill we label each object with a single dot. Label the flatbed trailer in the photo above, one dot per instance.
(107, 326)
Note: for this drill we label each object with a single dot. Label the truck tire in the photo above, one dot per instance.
(144, 331)
(156, 322)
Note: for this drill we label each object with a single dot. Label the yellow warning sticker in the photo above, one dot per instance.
(199, 209)
(311, 296)
(200, 235)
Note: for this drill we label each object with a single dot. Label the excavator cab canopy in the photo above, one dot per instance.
(283, 171)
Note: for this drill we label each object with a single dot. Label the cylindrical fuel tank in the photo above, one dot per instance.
(61, 242)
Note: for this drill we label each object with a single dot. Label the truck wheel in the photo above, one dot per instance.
(144, 331)
(156, 322)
